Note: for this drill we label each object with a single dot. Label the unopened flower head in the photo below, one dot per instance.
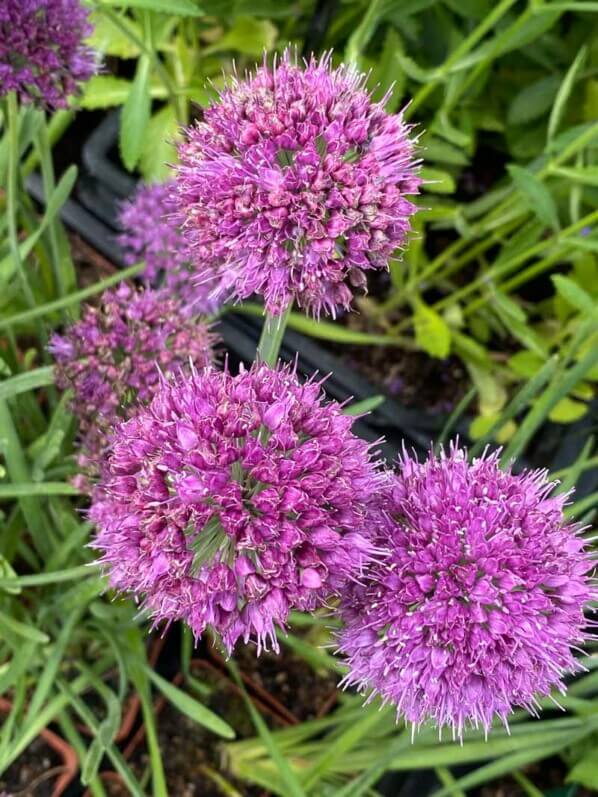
(230, 500)
(151, 234)
(112, 358)
(42, 54)
(479, 601)
(294, 185)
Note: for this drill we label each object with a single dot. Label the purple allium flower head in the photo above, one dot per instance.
(150, 233)
(477, 604)
(230, 500)
(42, 55)
(294, 185)
(113, 356)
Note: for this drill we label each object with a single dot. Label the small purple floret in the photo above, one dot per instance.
(113, 356)
(480, 599)
(42, 55)
(151, 234)
(230, 500)
(294, 185)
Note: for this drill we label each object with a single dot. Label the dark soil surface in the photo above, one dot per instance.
(303, 692)
(412, 378)
(34, 772)
(90, 265)
(284, 689)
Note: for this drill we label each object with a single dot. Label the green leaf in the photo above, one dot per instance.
(109, 39)
(184, 8)
(365, 406)
(574, 294)
(432, 333)
(437, 181)
(73, 298)
(563, 94)
(104, 91)
(492, 395)
(533, 100)
(506, 307)
(20, 490)
(293, 787)
(537, 196)
(30, 380)
(525, 363)
(30, 632)
(388, 74)
(568, 410)
(7, 572)
(191, 707)
(135, 116)
(248, 35)
(586, 175)
(159, 150)
(438, 151)
(323, 330)
(585, 771)
(53, 577)
(364, 31)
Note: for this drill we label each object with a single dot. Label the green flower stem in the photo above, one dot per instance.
(12, 193)
(45, 158)
(57, 125)
(271, 338)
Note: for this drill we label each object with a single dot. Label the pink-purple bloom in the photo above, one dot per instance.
(113, 356)
(230, 500)
(151, 234)
(294, 185)
(42, 54)
(479, 600)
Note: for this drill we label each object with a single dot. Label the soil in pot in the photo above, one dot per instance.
(289, 681)
(192, 756)
(283, 688)
(41, 771)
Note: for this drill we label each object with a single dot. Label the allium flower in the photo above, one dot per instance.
(150, 233)
(113, 356)
(42, 55)
(229, 500)
(294, 185)
(479, 600)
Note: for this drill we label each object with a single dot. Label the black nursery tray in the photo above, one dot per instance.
(102, 187)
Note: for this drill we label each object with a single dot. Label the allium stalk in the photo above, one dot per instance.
(479, 601)
(230, 500)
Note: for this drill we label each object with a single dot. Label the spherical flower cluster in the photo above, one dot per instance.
(479, 600)
(294, 185)
(151, 234)
(113, 356)
(230, 500)
(42, 55)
